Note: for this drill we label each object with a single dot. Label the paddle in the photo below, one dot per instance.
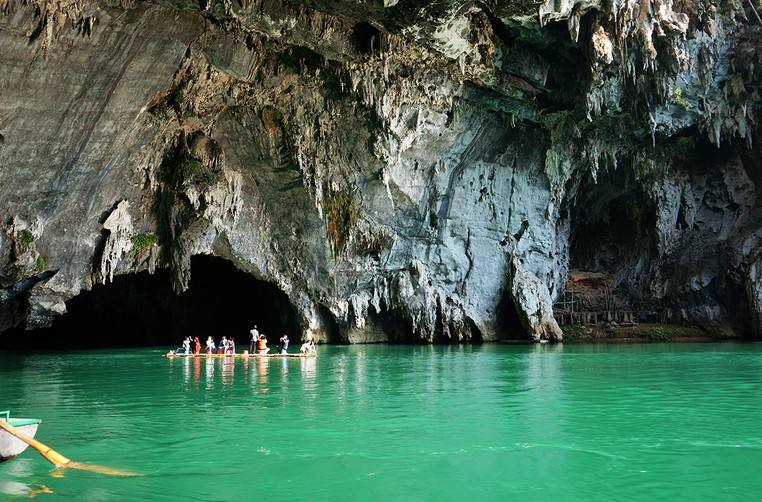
(59, 460)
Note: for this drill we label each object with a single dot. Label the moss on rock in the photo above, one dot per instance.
(141, 242)
(41, 263)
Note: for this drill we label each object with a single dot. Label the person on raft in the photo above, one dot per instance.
(254, 338)
(223, 346)
(210, 345)
(262, 345)
(308, 347)
(283, 344)
(196, 345)
(231, 346)
(186, 345)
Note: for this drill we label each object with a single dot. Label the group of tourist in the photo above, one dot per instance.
(192, 345)
(226, 346)
(259, 342)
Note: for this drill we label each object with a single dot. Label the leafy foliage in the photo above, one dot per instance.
(25, 237)
(141, 242)
(662, 333)
(574, 332)
(678, 97)
(24, 240)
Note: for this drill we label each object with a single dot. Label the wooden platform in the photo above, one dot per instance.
(239, 356)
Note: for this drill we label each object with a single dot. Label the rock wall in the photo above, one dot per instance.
(402, 170)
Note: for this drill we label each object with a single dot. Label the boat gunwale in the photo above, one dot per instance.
(21, 422)
(5, 416)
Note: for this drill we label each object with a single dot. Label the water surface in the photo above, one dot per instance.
(490, 422)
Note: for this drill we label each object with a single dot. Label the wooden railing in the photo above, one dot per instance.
(565, 312)
(585, 317)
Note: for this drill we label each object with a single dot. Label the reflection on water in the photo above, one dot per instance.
(215, 370)
(210, 365)
(196, 372)
(308, 365)
(17, 489)
(263, 363)
(228, 370)
(537, 422)
(18, 471)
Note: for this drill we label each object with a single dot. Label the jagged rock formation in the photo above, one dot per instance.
(402, 170)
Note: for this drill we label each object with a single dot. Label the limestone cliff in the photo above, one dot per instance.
(401, 169)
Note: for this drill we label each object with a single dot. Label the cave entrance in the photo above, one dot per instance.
(611, 245)
(611, 225)
(507, 321)
(365, 38)
(140, 310)
(393, 324)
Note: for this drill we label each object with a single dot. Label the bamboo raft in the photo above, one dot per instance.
(172, 355)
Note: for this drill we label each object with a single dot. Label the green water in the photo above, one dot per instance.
(491, 422)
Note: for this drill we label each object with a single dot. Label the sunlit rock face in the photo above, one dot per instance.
(401, 170)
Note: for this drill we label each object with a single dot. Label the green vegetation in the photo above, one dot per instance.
(171, 99)
(678, 97)
(340, 212)
(24, 240)
(661, 333)
(176, 99)
(14, 272)
(25, 237)
(141, 242)
(574, 332)
(176, 171)
(188, 168)
(41, 263)
(647, 333)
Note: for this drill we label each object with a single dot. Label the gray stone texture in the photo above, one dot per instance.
(404, 171)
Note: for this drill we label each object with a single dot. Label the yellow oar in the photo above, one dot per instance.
(59, 460)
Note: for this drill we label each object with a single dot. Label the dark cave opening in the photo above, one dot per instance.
(140, 310)
(507, 321)
(394, 323)
(330, 325)
(476, 333)
(611, 223)
(611, 246)
(365, 38)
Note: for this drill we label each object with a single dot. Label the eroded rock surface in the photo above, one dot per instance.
(402, 170)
